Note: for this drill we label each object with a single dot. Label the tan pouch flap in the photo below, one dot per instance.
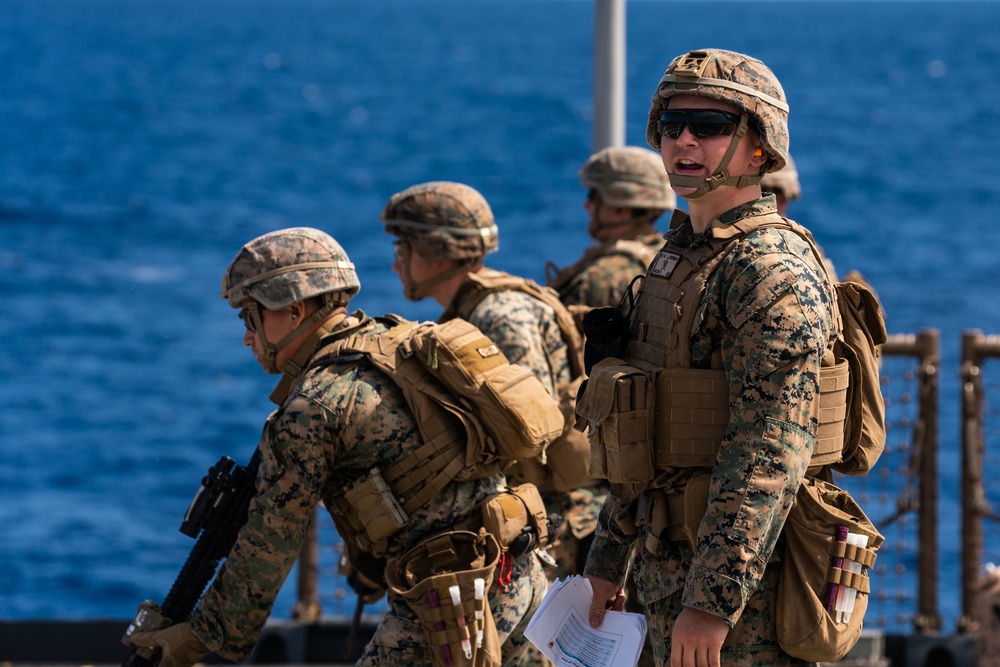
(597, 400)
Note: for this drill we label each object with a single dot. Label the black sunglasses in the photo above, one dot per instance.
(702, 122)
(248, 320)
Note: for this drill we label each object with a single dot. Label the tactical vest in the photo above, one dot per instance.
(563, 465)
(469, 432)
(652, 409)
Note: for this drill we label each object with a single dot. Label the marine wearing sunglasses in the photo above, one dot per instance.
(701, 122)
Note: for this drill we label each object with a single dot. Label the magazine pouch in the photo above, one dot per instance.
(817, 566)
(617, 406)
(426, 577)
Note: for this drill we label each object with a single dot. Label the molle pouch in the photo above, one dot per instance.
(517, 519)
(446, 582)
(617, 403)
(823, 587)
(378, 514)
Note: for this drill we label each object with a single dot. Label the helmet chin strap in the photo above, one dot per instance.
(721, 176)
(596, 226)
(293, 367)
(271, 350)
(415, 291)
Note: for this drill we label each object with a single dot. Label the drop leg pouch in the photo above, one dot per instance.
(455, 558)
(805, 629)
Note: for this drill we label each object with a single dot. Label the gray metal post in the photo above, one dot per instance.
(609, 74)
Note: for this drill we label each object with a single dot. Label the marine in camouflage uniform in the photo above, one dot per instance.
(762, 314)
(336, 421)
(444, 230)
(627, 192)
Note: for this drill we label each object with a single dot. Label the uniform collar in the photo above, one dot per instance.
(682, 234)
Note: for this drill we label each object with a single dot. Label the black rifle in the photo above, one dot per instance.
(218, 511)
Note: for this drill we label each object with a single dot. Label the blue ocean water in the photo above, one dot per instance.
(141, 143)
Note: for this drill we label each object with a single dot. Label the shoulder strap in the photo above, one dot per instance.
(481, 284)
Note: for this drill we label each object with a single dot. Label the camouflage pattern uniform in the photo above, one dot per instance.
(785, 185)
(629, 177)
(765, 318)
(338, 421)
(608, 269)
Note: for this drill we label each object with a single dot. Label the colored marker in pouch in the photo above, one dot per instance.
(456, 599)
(845, 597)
(432, 600)
(830, 599)
(480, 609)
(861, 541)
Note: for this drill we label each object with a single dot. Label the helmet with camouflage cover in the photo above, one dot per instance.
(443, 220)
(440, 220)
(785, 181)
(739, 80)
(630, 177)
(285, 267)
(290, 265)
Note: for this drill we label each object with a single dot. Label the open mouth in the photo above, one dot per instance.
(688, 167)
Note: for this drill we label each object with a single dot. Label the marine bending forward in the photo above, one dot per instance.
(338, 419)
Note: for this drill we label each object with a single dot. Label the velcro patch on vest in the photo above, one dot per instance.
(664, 264)
(489, 351)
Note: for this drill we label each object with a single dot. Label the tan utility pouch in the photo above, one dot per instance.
(563, 465)
(567, 456)
(617, 403)
(517, 512)
(805, 629)
(373, 511)
(424, 578)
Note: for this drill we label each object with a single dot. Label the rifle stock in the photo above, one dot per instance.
(215, 516)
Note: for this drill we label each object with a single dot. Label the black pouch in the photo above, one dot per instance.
(606, 329)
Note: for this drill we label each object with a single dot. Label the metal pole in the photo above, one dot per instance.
(971, 481)
(609, 74)
(927, 621)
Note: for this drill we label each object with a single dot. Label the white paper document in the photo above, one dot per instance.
(560, 628)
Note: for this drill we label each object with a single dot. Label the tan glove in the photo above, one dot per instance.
(179, 645)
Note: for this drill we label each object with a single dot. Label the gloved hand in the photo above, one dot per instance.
(179, 645)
